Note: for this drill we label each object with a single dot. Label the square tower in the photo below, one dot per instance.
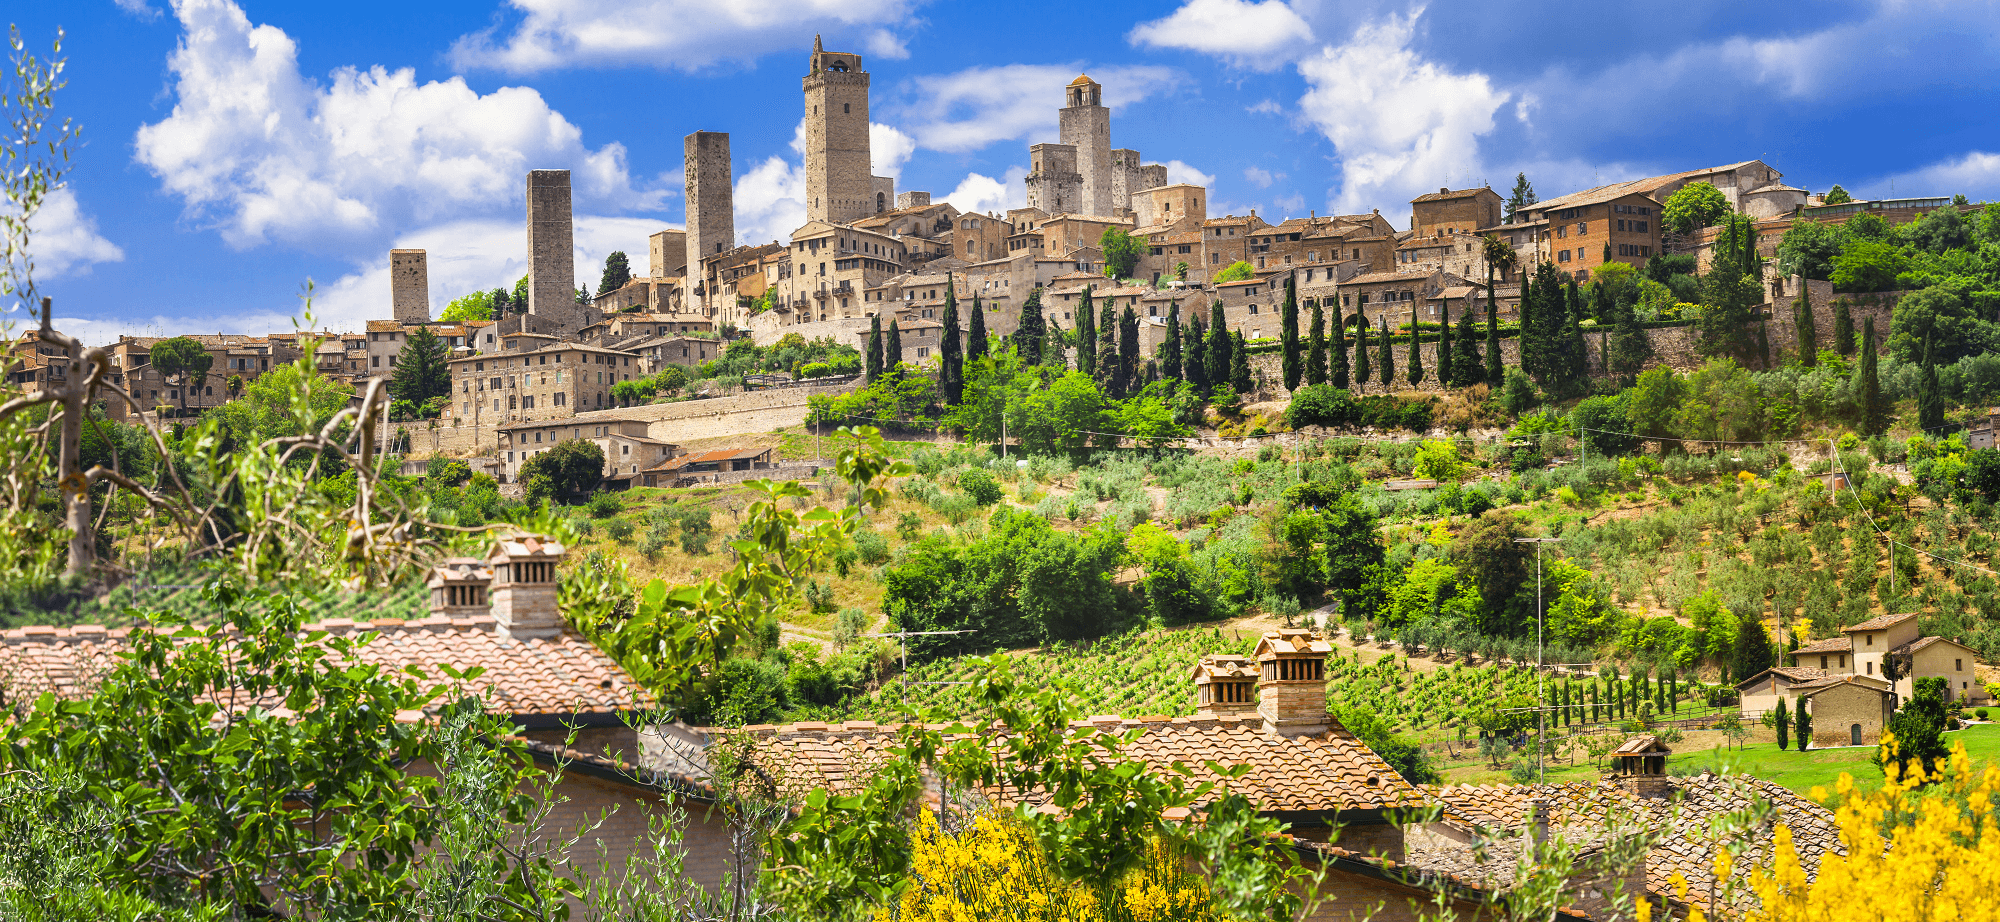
(409, 286)
(711, 204)
(839, 175)
(882, 190)
(551, 251)
(1086, 126)
(523, 587)
(1054, 185)
(667, 252)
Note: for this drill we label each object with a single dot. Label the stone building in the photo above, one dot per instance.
(1846, 710)
(409, 286)
(840, 186)
(1463, 211)
(977, 237)
(1864, 646)
(658, 352)
(551, 250)
(667, 252)
(1054, 184)
(386, 338)
(1085, 127)
(711, 208)
(832, 265)
(1178, 206)
(1751, 187)
(554, 381)
(1584, 230)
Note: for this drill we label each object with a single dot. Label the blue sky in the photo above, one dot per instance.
(234, 148)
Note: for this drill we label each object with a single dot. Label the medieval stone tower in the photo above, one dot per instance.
(551, 251)
(1054, 185)
(839, 183)
(711, 204)
(1086, 126)
(409, 286)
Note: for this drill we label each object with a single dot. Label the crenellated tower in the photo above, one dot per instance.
(839, 176)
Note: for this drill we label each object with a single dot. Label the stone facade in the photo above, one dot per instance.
(1463, 211)
(839, 177)
(1085, 124)
(523, 588)
(409, 286)
(913, 200)
(1850, 713)
(551, 250)
(667, 254)
(555, 381)
(1054, 183)
(883, 190)
(1170, 205)
(711, 211)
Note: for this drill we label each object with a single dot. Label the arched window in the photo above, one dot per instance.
(881, 201)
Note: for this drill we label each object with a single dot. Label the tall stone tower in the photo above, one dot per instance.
(839, 184)
(1054, 185)
(711, 205)
(409, 286)
(1086, 126)
(551, 251)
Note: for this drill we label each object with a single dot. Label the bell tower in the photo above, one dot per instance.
(839, 184)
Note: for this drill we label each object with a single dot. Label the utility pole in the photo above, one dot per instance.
(1540, 694)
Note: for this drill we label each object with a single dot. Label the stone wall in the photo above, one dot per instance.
(681, 421)
(409, 286)
(551, 250)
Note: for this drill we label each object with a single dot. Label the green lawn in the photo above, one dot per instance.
(1802, 771)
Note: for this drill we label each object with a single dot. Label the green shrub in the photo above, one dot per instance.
(815, 370)
(620, 530)
(604, 504)
(979, 485)
(873, 548)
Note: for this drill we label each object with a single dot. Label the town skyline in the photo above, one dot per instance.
(184, 214)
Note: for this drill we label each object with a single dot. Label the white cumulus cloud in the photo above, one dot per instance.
(1261, 178)
(1259, 36)
(1178, 172)
(1400, 123)
(264, 153)
(64, 240)
(770, 201)
(969, 109)
(888, 149)
(1975, 175)
(981, 193)
(683, 35)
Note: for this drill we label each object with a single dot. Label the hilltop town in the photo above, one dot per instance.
(1548, 557)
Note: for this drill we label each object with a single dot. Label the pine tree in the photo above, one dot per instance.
(1086, 335)
(1288, 335)
(1468, 367)
(1522, 196)
(1194, 356)
(1930, 400)
(1444, 356)
(1843, 328)
(617, 272)
(1416, 371)
(1336, 356)
(1033, 328)
(1868, 387)
(1806, 326)
(1128, 352)
(1170, 351)
(951, 358)
(1387, 359)
(975, 334)
(1316, 348)
(892, 349)
(1106, 367)
(421, 372)
(874, 358)
(1239, 363)
(1362, 372)
(1218, 347)
(1495, 374)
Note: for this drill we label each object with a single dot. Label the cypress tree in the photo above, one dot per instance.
(1218, 348)
(1170, 351)
(1086, 334)
(1531, 358)
(975, 334)
(1128, 350)
(1316, 351)
(1194, 356)
(1467, 367)
(1416, 372)
(892, 350)
(1336, 356)
(1802, 720)
(1239, 363)
(1495, 375)
(1784, 726)
(1109, 378)
(1362, 373)
(1029, 335)
(874, 357)
(1445, 358)
(1843, 328)
(951, 361)
(1387, 359)
(1806, 326)
(1288, 334)
(1868, 387)
(1930, 401)
(1576, 355)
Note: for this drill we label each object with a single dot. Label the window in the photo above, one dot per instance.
(1871, 640)
(1843, 661)
(1562, 256)
(1871, 668)
(1958, 665)
(1562, 231)
(1582, 228)
(1822, 662)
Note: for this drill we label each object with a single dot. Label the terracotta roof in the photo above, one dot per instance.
(1450, 194)
(553, 677)
(1829, 645)
(1591, 196)
(1583, 811)
(1922, 642)
(1652, 183)
(1879, 622)
(1814, 687)
(1390, 275)
(1324, 772)
(1795, 674)
(1082, 80)
(723, 454)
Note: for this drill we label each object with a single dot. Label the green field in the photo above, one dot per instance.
(1803, 771)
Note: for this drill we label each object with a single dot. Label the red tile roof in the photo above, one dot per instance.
(555, 677)
(1879, 622)
(1829, 645)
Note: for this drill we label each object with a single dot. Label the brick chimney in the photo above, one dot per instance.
(1291, 684)
(524, 587)
(1225, 685)
(1640, 766)
(458, 587)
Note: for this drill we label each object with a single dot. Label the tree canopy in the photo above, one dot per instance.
(1693, 207)
(1121, 251)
